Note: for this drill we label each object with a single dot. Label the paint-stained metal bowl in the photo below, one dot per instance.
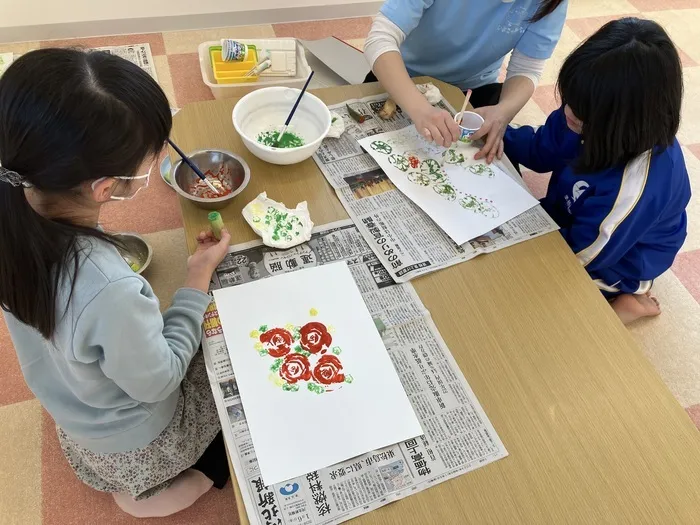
(232, 169)
(136, 251)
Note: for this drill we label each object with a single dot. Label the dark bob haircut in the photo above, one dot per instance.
(626, 84)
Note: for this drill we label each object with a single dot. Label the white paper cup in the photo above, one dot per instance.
(469, 123)
(234, 51)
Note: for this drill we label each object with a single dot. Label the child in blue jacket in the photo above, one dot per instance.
(619, 185)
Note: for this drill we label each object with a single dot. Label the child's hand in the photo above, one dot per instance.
(202, 263)
(436, 125)
(494, 127)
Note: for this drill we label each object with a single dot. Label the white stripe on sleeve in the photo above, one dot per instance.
(605, 287)
(521, 65)
(634, 180)
(384, 36)
(644, 287)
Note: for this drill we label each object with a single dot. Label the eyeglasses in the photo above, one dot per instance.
(146, 177)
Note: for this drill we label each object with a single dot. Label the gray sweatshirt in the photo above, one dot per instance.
(110, 377)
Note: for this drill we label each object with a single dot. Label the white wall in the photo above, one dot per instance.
(46, 19)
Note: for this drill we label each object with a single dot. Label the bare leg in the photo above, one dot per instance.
(629, 307)
(187, 488)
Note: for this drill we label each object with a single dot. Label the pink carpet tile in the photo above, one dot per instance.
(49, 493)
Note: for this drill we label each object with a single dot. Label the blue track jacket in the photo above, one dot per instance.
(625, 224)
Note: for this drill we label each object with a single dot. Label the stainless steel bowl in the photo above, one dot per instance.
(236, 172)
(136, 250)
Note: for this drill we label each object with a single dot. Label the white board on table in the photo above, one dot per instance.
(465, 197)
(298, 430)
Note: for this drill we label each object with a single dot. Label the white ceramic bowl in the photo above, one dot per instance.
(266, 110)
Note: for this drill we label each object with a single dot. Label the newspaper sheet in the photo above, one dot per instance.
(403, 237)
(458, 436)
(139, 54)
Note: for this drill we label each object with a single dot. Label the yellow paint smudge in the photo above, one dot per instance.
(276, 379)
(258, 346)
(254, 334)
(313, 312)
(331, 329)
(289, 327)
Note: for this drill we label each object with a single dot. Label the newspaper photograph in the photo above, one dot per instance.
(458, 435)
(139, 54)
(404, 237)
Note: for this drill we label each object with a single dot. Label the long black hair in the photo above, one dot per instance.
(626, 84)
(546, 7)
(66, 117)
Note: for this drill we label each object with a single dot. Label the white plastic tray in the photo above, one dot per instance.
(238, 90)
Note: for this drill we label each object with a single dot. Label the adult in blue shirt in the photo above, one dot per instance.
(464, 42)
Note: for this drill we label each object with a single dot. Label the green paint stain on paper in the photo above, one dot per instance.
(276, 365)
(316, 388)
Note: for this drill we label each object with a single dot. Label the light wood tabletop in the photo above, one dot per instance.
(594, 435)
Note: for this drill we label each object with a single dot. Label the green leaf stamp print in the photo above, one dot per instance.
(432, 169)
(445, 190)
(381, 147)
(399, 162)
(482, 169)
(452, 157)
(420, 179)
(478, 205)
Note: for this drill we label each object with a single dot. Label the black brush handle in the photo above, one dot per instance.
(296, 104)
(187, 160)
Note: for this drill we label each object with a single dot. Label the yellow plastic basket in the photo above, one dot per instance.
(232, 72)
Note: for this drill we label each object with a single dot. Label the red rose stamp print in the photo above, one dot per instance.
(277, 342)
(302, 356)
(315, 337)
(329, 370)
(295, 367)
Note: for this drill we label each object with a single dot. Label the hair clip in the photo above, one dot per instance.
(11, 177)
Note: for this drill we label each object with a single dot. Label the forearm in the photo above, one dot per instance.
(391, 72)
(516, 92)
(198, 280)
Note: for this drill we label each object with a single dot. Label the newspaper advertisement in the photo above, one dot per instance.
(403, 236)
(139, 54)
(458, 435)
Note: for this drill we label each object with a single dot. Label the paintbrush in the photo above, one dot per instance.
(191, 164)
(291, 113)
(262, 66)
(464, 105)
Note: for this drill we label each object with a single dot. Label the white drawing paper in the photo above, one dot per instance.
(308, 359)
(466, 198)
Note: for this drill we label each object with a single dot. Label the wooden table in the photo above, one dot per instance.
(594, 436)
